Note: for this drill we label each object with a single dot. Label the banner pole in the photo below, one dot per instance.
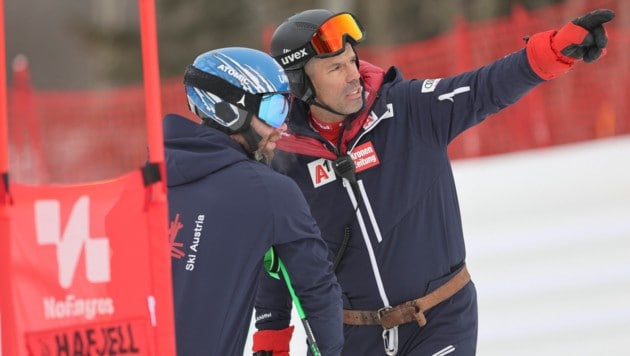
(7, 332)
(151, 72)
(4, 111)
(162, 309)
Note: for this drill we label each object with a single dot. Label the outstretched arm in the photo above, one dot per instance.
(468, 98)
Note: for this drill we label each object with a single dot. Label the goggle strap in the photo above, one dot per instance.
(297, 56)
(292, 59)
(222, 88)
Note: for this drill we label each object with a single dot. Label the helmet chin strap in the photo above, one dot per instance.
(253, 139)
(325, 107)
(313, 101)
(331, 110)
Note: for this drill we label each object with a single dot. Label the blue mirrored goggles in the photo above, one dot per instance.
(273, 109)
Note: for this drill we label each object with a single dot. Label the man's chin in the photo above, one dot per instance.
(267, 150)
(356, 106)
(263, 156)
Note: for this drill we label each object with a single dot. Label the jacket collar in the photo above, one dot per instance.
(301, 138)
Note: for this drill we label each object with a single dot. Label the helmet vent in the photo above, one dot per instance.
(306, 26)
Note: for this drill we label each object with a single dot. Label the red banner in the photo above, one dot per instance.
(88, 271)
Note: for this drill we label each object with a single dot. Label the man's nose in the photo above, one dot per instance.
(353, 73)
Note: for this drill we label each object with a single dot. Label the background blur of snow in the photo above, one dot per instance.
(548, 240)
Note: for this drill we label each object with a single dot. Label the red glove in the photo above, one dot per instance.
(274, 342)
(552, 53)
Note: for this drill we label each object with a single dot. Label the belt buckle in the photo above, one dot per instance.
(379, 313)
(390, 336)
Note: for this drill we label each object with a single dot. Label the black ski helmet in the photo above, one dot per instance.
(290, 47)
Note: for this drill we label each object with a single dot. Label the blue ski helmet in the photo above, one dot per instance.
(226, 86)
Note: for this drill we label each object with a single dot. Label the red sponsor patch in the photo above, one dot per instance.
(364, 156)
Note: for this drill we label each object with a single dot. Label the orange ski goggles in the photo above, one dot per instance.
(329, 40)
(331, 36)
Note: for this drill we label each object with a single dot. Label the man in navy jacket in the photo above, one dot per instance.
(227, 208)
(368, 149)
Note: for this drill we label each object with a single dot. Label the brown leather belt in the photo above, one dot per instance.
(410, 310)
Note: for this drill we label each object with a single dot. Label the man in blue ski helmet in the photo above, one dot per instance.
(227, 208)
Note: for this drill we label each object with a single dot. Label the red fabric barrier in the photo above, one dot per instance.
(79, 136)
(86, 270)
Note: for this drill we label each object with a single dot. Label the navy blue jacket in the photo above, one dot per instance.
(410, 219)
(226, 211)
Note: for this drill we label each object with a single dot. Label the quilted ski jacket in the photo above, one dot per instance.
(402, 217)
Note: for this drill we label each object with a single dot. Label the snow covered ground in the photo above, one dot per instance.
(548, 240)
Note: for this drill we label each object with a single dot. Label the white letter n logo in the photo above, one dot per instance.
(74, 239)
